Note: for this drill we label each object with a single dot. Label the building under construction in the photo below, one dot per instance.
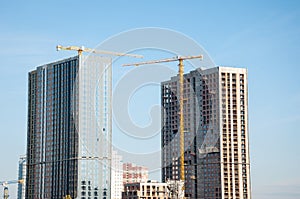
(216, 152)
(69, 129)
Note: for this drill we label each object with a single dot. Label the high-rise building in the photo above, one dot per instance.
(69, 129)
(116, 176)
(216, 153)
(134, 173)
(22, 176)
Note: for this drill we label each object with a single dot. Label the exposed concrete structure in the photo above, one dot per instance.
(216, 133)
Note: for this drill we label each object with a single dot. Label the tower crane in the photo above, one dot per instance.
(90, 50)
(5, 186)
(181, 119)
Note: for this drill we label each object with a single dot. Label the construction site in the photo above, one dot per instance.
(204, 139)
(150, 99)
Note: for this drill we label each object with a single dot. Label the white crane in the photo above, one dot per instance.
(5, 186)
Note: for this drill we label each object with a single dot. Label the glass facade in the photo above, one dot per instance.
(22, 176)
(69, 129)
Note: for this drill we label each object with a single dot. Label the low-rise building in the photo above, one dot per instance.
(134, 173)
(147, 190)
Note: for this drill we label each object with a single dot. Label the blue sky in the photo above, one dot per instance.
(262, 36)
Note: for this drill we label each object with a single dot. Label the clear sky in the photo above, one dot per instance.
(260, 35)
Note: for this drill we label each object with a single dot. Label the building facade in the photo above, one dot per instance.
(146, 190)
(69, 129)
(134, 173)
(216, 153)
(116, 176)
(22, 176)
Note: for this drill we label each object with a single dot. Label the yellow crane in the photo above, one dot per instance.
(67, 197)
(181, 119)
(5, 186)
(90, 50)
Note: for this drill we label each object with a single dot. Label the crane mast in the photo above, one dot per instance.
(181, 119)
(181, 100)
